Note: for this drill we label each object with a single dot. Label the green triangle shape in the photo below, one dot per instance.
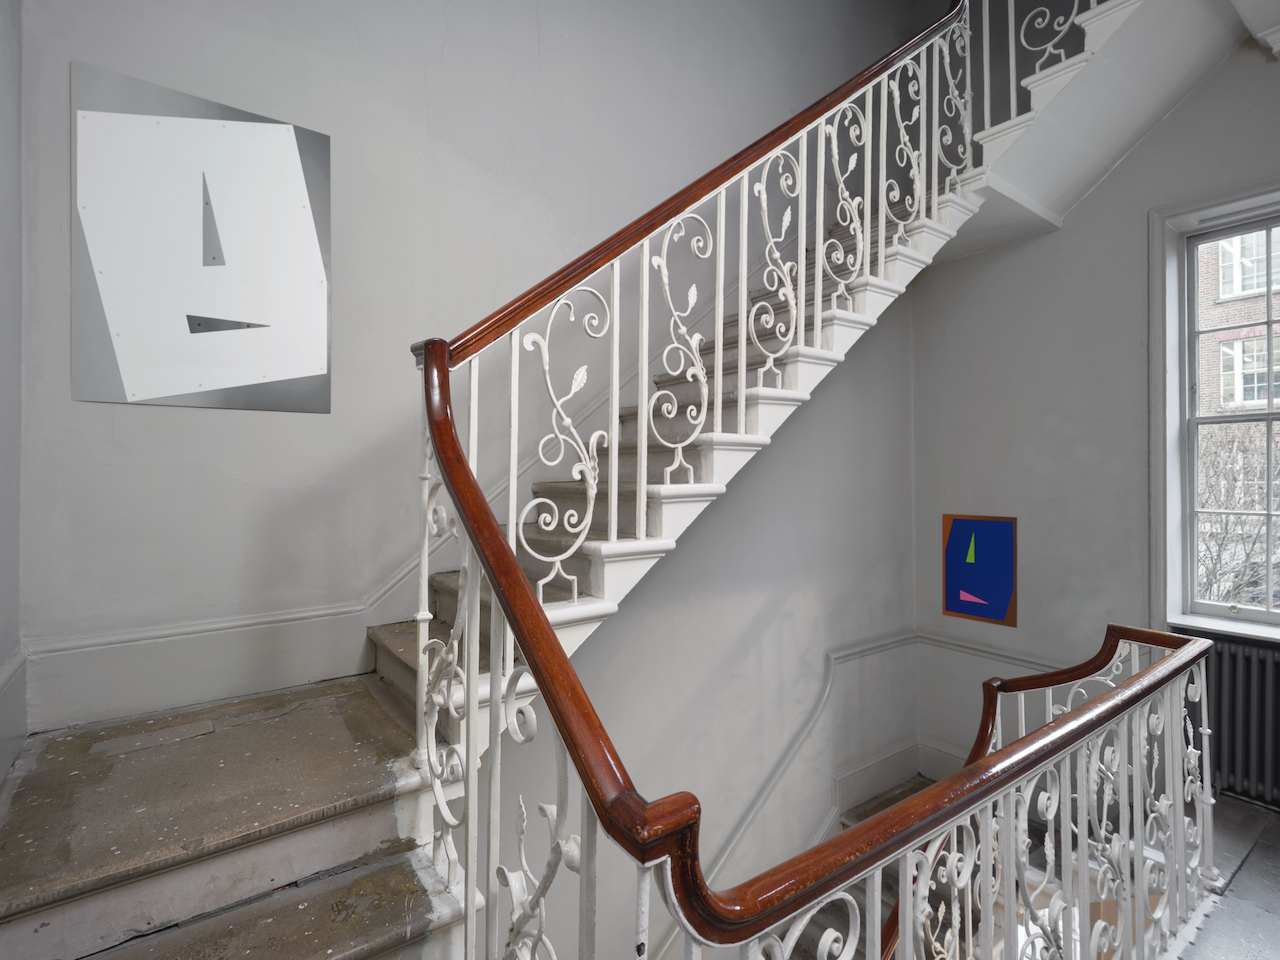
(969, 558)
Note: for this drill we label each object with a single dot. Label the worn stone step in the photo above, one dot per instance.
(445, 587)
(112, 829)
(396, 656)
(883, 801)
(395, 906)
(573, 620)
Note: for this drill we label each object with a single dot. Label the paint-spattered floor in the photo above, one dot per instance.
(97, 805)
(1245, 925)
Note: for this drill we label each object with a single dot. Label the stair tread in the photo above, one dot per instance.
(359, 913)
(883, 801)
(91, 806)
(401, 640)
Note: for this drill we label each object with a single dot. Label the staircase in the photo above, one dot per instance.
(297, 806)
(320, 821)
(791, 337)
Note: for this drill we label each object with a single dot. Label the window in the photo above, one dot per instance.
(1242, 265)
(1231, 465)
(1244, 372)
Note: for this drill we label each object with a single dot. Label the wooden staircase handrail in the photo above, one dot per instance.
(991, 689)
(506, 319)
(668, 827)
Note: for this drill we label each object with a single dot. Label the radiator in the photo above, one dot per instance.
(1243, 703)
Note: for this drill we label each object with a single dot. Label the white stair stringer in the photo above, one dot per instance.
(1102, 21)
(1099, 24)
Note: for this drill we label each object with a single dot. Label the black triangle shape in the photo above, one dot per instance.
(213, 324)
(213, 256)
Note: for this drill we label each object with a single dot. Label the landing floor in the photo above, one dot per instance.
(91, 806)
(1245, 925)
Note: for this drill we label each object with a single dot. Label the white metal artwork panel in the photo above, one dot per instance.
(183, 320)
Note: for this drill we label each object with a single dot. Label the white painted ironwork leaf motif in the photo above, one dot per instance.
(579, 380)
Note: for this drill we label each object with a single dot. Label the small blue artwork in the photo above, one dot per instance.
(980, 568)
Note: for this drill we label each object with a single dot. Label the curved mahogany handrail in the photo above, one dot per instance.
(991, 689)
(472, 341)
(668, 827)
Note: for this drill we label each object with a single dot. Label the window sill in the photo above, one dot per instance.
(1251, 295)
(1249, 629)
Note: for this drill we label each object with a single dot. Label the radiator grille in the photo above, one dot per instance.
(1242, 715)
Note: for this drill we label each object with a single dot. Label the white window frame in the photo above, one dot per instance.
(1171, 275)
(1257, 411)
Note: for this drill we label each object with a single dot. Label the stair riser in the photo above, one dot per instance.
(794, 374)
(660, 458)
(403, 682)
(928, 237)
(96, 921)
(717, 463)
(1101, 22)
(839, 336)
(765, 416)
(869, 301)
(611, 578)
(715, 458)
(444, 606)
(902, 266)
(1045, 86)
(663, 518)
(796, 369)
(996, 140)
(577, 502)
(954, 212)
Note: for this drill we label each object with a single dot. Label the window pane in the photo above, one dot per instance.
(1230, 278)
(1231, 559)
(1253, 262)
(1275, 566)
(1275, 258)
(1231, 468)
(1228, 266)
(1232, 371)
(1275, 468)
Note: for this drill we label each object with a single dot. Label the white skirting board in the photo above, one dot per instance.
(88, 678)
(13, 708)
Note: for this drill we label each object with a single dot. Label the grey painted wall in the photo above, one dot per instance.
(174, 555)
(13, 712)
(1031, 387)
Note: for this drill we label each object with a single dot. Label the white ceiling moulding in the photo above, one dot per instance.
(200, 252)
(1262, 17)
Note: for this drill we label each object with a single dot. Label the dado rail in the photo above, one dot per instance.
(657, 364)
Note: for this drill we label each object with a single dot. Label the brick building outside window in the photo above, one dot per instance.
(1233, 539)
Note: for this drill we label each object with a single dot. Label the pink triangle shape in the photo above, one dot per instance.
(970, 597)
